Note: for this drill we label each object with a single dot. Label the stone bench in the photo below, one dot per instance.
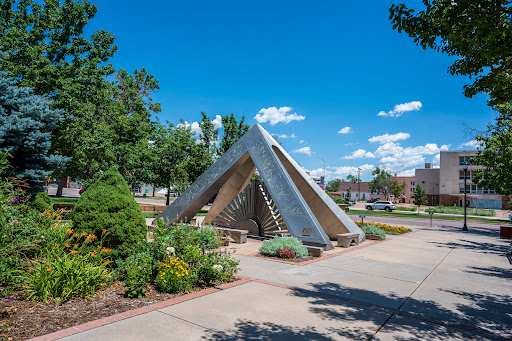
(239, 236)
(314, 251)
(347, 239)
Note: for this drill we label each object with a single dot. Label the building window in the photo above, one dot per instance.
(465, 159)
(461, 188)
(413, 183)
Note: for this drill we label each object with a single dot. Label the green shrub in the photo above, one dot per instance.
(271, 247)
(207, 237)
(63, 275)
(339, 200)
(108, 208)
(173, 276)
(43, 202)
(216, 266)
(369, 229)
(136, 272)
(404, 208)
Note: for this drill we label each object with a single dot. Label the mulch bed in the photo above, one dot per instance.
(21, 320)
(289, 260)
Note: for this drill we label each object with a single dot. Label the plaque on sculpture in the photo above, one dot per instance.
(306, 232)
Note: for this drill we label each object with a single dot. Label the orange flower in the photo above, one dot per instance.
(105, 262)
(84, 234)
(55, 244)
(75, 245)
(73, 251)
(67, 245)
(69, 231)
(92, 236)
(105, 249)
(48, 268)
(92, 254)
(99, 246)
(104, 230)
(76, 235)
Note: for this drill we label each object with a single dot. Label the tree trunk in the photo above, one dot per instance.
(153, 190)
(62, 183)
(168, 195)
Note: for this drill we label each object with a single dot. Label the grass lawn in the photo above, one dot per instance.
(416, 216)
(150, 214)
(63, 200)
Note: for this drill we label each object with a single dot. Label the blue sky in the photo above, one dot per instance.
(309, 69)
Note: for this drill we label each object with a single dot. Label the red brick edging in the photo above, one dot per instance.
(139, 311)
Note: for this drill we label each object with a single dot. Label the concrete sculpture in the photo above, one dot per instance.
(308, 213)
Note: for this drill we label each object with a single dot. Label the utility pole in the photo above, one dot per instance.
(321, 158)
(358, 183)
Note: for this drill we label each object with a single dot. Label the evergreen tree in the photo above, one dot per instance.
(108, 210)
(419, 197)
(26, 124)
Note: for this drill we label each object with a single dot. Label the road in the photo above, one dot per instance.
(422, 223)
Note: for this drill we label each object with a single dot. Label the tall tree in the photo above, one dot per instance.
(381, 182)
(419, 197)
(496, 157)
(333, 185)
(477, 32)
(208, 140)
(26, 123)
(396, 188)
(352, 178)
(233, 131)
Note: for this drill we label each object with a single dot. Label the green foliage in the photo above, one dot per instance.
(496, 157)
(216, 267)
(108, 209)
(348, 194)
(478, 33)
(339, 200)
(396, 188)
(62, 275)
(233, 131)
(43, 202)
(137, 272)
(173, 276)
(404, 208)
(419, 197)
(369, 229)
(460, 210)
(182, 235)
(272, 246)
(26, 125)
(333, 185)
(381, 182)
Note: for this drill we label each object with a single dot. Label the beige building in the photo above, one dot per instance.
(445, 185)
(410, 186)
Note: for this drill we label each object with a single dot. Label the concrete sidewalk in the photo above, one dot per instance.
(439, 284)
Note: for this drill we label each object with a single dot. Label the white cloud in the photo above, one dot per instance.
(284, 136)
(302, 141)
(360, 154)
(194, 126)
(437, 158)
(395, 158)
(345, 130)
(471, 144)
(342, 171)
(400, 109)
(217, 122)
(408, 172)
(304, 150)
(274, 115)
(389, 137)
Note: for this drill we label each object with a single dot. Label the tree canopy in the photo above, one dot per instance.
(381, 182)
(333, 185)
(477, 32)
(233, 131)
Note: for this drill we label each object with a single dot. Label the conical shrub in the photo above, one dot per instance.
(108, 210)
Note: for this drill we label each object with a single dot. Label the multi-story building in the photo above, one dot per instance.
(445, 185)
(408, 191)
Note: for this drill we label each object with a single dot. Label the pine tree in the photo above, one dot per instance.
(108, 210)
(26, 124)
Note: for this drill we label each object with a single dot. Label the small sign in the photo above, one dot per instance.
(362, 216)
(431, 213)
(306, 232)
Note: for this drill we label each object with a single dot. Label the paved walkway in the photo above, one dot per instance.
(432, 284)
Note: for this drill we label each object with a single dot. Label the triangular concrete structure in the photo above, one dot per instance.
(308, 212)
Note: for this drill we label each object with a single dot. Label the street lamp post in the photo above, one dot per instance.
(465, 167)
(321, 158)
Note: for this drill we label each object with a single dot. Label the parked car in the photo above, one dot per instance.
(381, 205)
(510, 216)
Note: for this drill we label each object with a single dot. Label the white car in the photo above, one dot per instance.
(381, 205)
